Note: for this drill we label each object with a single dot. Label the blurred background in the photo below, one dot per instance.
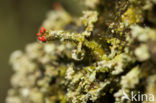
(19, 22)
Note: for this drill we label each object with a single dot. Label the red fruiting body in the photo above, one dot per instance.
(39, 38)
(43, 39)
(42, 30)
(38, 34)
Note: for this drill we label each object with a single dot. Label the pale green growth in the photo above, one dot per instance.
(59, 17)
(79, 39)
(89, 59)
(151, 86)
(149, 4)
(88, 20)
(143, 34)
(90, 3)
(129, 81)
(142, 52)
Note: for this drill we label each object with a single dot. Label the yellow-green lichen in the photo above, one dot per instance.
(89, 59)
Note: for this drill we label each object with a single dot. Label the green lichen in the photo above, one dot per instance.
(89, 59)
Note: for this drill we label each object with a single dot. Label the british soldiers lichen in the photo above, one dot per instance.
(89, 59)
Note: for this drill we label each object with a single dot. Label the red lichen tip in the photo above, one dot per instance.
(40, 38)
(38, 34)
(43, 39)
(42, 30)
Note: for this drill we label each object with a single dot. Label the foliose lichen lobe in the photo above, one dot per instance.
(89, 59)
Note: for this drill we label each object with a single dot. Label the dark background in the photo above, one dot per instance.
(19, 22)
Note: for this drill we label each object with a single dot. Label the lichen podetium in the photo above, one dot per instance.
(89, 59)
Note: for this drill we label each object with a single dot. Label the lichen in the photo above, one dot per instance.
(89, 59)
